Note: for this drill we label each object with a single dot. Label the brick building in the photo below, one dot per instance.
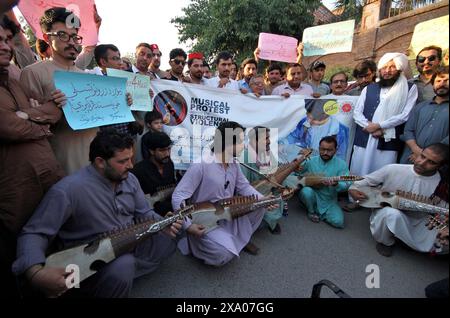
(382, 30)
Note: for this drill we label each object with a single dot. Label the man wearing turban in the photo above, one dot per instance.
(380, 114)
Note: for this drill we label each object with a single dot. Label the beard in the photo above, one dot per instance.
(113, 176)
(389, 82)
(441, 92)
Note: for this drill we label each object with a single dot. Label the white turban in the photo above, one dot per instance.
(396, 98)
(400, 60)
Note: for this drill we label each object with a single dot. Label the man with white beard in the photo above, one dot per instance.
(380, 113)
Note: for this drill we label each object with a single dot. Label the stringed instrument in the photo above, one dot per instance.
(161, 194)
(315, 180)
(91, 257)
(401, 200)
(209, 214)
(269, 183)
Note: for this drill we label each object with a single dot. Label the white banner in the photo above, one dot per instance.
(194, 111)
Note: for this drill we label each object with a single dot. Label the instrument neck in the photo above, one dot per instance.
(236, 211)
(125, 240)
(411, 205)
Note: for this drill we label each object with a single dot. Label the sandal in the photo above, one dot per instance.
(314, 218)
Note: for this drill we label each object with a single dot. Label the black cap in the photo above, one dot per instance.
(153, 140)
(317, 64)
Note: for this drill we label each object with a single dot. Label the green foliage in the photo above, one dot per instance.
(329, 71)
(352, 9)
(234, 25)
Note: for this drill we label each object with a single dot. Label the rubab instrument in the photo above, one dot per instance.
(209, 214)
(109, 246)
(401, 200)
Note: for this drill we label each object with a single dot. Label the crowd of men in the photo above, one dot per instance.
(60, 188)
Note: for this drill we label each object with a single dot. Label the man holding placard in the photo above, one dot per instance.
(71, 148)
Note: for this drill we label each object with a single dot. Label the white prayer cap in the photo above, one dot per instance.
(400, 60)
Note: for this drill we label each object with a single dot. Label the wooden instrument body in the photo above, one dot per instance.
(209, 214)
(159, 196)
(84, 256)
(90, 257)
(377, 198)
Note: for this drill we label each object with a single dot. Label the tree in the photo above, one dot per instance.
(351, 9)
(234, 25)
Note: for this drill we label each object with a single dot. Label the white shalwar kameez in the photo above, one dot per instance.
(408, 226)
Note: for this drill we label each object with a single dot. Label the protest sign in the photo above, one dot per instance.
(138, 86)
(93, 100)
(431, 32)
(194, 112)
(33, 10)
(275, 47)
(328, 38)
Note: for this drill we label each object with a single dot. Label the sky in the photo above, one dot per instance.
(127, 23)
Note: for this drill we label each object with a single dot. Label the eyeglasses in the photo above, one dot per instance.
(63, 36)
(178, 62)
(430, 58)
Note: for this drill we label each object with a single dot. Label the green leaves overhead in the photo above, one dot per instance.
(234, 25)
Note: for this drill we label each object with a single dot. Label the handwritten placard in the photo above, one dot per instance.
(33, 10)
(328, 38)
(93, 100)
(431, 32)
(277, 48)
(138, 86)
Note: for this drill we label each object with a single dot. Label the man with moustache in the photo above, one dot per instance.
(273, 78)
(157, 170)
(249, 68)
(321, 201)
(427, 61)
(224, 60)
(338, 84)
(156, 63)
(295, 75)
(99, 198)
(428, 121)
(380, 114)
(70, 147)
(365, 73)
(422, 178)
(177, 62)
(195, 65)
(144, 57)
(28, 167)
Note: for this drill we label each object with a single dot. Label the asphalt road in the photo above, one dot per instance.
(291, 263)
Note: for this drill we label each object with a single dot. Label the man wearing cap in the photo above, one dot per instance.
(316, 75)
(380, 113)
(157, 170)
(195, 65)
(156, 63)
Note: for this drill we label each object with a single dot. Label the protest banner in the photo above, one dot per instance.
(93, 100)
(431, 32)
(33, 10)
(138, 86)
(328, 38)
(275, 47)
(297, 122)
